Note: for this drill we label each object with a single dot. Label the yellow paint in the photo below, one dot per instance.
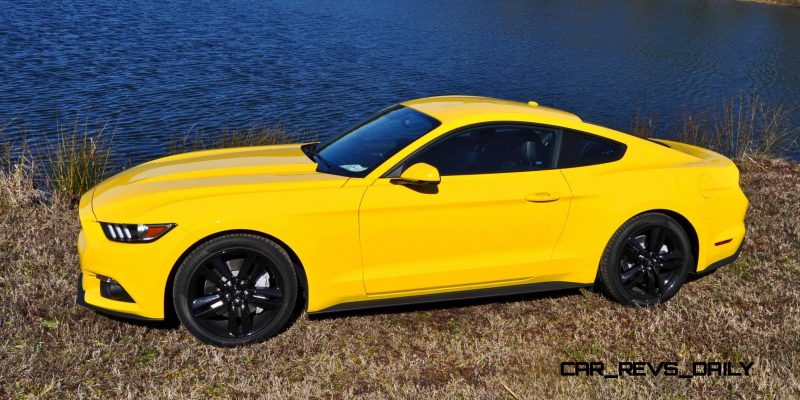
(421, 173)
(368, 238)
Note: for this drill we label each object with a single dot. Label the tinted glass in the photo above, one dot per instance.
(491, 149)
(579, 149)
(368, 145)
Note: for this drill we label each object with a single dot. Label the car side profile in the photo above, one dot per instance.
(432, 199)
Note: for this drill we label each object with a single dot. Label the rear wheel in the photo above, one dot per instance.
(647, 260)
(235, 290)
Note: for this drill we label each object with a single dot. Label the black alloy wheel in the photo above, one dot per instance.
(647, 260)
(235, 290)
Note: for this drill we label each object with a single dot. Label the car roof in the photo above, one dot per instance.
(448, 108)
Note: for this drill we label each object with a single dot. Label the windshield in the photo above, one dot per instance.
(359, 151)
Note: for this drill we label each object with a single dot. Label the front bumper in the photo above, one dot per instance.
(141, 269)
(80, 300)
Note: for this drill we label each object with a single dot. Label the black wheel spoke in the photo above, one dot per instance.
(634, 245)
(201, 302)
(266, 297)
(672, 255)
(208, 312)
(221, 268)
(233, 320)
(246, 271)
(204, 307)
(216, 271)
(659, 283)
(670, 260)
(632, 276)
(207, 272)
(268, 292)
(655, 239)
(670, 265)
(245, 318)
(264, 303)
(651, 284)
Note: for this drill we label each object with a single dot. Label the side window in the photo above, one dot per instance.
(580, 149)
(490, 149)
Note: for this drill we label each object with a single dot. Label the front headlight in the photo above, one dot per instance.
(135, 233)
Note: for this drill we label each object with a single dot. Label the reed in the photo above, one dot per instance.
(17, 171)
(642, 126)
(5, 156)
(791, 3)
(79, 159)
(744, 126)
(17, 185)
(254, 135)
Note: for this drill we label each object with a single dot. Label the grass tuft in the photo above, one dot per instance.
(79, 160)
(17, 186)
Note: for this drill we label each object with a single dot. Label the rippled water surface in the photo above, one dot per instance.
(156, 69)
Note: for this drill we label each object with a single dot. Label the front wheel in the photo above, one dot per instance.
(235, 290)
(646, 261)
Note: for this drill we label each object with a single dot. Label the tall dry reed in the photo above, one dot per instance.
(744, 126)
(79, 159)
(255, 135)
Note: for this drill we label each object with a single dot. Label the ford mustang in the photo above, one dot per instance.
(433, 199)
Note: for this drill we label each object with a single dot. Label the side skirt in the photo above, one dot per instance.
(459, 295)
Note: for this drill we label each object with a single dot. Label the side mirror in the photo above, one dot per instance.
(419, 174)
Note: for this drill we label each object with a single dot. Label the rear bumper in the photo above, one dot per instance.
(721, 263)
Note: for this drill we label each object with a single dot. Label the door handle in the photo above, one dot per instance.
(543, 197)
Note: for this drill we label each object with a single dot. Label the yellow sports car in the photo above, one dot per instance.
(433, 199)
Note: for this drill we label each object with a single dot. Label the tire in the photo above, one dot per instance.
(236, 290)
(646, 261)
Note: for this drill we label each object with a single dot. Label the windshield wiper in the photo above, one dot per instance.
(310, 150)
(324, 162)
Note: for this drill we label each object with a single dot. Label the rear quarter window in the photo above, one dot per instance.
(580, 149)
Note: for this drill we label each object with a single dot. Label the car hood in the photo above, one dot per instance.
(145, 187)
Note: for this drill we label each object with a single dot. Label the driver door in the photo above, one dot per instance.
(494, 217)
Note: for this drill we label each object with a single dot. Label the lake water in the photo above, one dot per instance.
(156, 69)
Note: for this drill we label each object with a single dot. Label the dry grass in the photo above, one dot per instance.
(79, 160)
(256, 135)
(793, 3)
(746, 311)
(744, 126)
(82, 157)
